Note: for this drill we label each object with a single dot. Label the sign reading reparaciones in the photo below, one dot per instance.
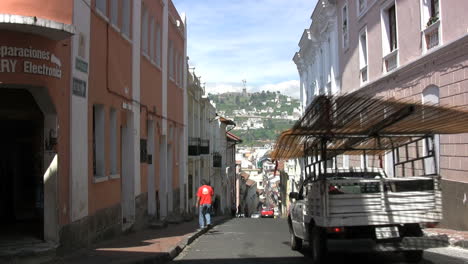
(51, 65)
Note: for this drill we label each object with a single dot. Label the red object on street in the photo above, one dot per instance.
(267, 213)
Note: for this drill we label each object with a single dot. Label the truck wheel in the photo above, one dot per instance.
(318, 244)
(296, 243)
(414, 256)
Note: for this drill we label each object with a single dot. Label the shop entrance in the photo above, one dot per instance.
(21, 166)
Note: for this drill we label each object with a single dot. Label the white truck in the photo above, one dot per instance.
(365, 206)
(370, 173)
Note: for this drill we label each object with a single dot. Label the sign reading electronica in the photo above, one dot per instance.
(49, 64)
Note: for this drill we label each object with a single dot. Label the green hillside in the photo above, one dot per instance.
(273, 110)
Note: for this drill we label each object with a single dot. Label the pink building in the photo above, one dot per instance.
(397, 49)
(93, 118)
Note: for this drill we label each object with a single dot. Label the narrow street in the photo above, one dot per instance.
(245, 240)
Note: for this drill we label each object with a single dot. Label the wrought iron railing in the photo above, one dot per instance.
(193, 146)
(204, 146)
(391, 61)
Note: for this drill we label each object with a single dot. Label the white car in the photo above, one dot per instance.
(255, 215)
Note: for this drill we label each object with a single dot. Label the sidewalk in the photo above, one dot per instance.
(452, 237)
(145, 246)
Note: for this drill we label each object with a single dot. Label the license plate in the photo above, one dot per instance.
(386, 232)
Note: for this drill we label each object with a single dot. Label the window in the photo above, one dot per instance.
(322, 73)
(158, 44)
(392, 28)
(344, 16)
(126, 18)
(434, 8)
(101, 6)
(113, 141)
(98, 141)
(362, 4)
(328, 62)
(176, 70)
(181, 72)
(144, 30)
(152, 46)
(431, 96)
(363, 55)
(143, 150)
(171, 60)
(114, 16)
(389, 37)
(430, 24)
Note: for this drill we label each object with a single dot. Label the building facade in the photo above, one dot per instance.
(85, 87)
(408, 50)
(211, 149)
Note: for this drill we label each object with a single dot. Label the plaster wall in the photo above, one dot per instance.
(79, 113)
(55, 10)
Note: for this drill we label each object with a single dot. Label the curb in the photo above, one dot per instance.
(174, 252)
(449, 240)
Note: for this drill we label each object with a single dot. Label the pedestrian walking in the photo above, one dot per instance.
(204, 200)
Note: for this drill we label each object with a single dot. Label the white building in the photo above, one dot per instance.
(211, 152)
(317, 60)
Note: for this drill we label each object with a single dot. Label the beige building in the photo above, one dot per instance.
(395, 49)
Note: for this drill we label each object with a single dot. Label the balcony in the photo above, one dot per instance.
(193, 146)
(204, 146)
(391, 61)
(364, 75)
(217, 160)
(431, 36)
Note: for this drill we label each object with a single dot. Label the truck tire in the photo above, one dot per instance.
(296, 243)
(318, 245)
(413, 256)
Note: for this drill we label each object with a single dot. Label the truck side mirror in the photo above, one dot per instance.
(294, 195)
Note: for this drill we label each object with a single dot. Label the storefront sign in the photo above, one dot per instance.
(79, 87)
(81, 65)
(35, 61)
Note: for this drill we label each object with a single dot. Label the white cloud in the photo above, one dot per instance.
(230, 41)
(216, 88)
(289, 88)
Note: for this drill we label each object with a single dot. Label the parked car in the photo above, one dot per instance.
(267, 213)
(255, 215)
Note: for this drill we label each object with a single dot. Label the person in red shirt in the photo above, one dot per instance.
(204, 201)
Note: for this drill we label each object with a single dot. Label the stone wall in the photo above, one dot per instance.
(105, 224)
(141, 211)
(455, 205)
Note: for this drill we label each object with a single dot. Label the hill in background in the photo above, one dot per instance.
(260, 117)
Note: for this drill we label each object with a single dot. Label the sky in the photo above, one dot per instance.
(255, 40)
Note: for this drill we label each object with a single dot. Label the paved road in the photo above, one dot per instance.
(247, 241)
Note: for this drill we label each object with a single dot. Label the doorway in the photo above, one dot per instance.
(21, 166)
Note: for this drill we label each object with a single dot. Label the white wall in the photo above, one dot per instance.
(79, 118)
